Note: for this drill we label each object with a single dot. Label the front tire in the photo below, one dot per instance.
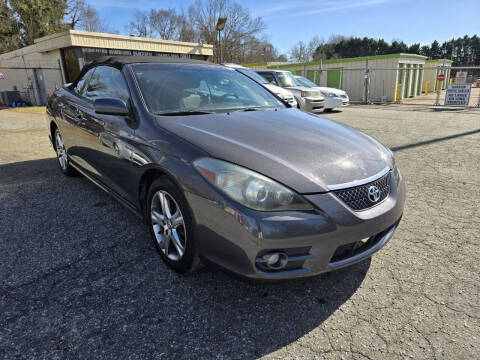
(172, 226)
(62, 155)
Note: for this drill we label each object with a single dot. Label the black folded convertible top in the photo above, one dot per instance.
(120, 61)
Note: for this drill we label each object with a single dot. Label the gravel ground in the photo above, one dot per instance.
(80, 277)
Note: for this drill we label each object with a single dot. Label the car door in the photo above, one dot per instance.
(69, 107)
(107, 137)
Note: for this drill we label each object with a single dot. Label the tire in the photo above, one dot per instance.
(62, 156)
(173, 237)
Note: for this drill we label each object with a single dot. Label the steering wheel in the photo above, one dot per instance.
(229, 95)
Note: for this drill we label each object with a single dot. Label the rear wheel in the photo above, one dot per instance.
(62, 155)
(171, 226)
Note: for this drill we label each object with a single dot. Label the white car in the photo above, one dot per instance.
(334, 98)
(309, 100)
(282, 93)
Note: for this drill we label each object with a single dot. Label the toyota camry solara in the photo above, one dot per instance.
(224, 172)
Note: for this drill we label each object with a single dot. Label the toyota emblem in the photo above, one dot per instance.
(373, 194)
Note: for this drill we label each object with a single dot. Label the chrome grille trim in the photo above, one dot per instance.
(359, 182)
(357, 198)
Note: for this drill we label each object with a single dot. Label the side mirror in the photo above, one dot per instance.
(110, 106)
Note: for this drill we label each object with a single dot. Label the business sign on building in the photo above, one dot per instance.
(2, 75)
(458, 95)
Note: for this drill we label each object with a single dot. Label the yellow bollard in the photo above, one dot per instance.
(399, 93)
(436, 85)
(451, 81)
(427, 85)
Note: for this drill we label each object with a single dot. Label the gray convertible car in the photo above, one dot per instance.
(223, 171)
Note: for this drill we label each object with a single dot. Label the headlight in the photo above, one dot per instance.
(248, 187)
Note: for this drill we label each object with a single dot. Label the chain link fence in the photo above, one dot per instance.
(403, 85)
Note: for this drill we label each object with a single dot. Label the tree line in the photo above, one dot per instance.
(23, 21)
(243, 39)
(462, 51)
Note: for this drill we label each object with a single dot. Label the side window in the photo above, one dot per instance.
(107, 82)
(80, 87)
(269, 77)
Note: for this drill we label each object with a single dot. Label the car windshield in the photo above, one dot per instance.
(253, 75)
(170, 89)
(287, 79)
(305, 82)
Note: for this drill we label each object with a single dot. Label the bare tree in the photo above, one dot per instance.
(165, 23)
(241, 39)
(240, 27)
(302, 52)
(140, 25)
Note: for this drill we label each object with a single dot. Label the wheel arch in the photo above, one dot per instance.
(147, 178)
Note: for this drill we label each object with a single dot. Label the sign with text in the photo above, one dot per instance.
(458, 95)
(461, 77)
(2, 75)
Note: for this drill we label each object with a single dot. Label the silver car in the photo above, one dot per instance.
(222, 171)
(310, 100)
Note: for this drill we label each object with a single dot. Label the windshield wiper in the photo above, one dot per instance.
(190, 112)
(256, 108)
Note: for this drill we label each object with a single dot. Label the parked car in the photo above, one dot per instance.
(222, 171)
(308, 99)
(282, 93)
(333, 97)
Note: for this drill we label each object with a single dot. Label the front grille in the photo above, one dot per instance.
(343, 96)
(357, 197)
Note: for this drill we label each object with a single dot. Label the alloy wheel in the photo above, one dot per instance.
(168, 225)
(61, 152)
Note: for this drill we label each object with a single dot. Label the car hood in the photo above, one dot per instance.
(305, 152)
(337, 92)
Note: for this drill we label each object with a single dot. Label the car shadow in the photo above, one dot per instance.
(80, 276)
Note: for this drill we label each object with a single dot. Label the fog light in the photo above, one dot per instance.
(276, 260)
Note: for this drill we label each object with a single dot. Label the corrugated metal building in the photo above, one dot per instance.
(36, 70)
(389, 76)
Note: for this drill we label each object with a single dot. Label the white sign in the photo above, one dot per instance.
(458, 95)
(461, 77)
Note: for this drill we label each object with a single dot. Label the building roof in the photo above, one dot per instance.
(109, 41)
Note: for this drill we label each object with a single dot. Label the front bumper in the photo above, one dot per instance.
(332, 102)
(313, 105)
(326, 239)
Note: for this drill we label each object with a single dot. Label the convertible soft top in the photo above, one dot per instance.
(120, 61)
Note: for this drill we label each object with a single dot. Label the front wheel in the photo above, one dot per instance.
(62, 155)
(172, 226)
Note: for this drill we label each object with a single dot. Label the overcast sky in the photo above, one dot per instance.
(289, 21)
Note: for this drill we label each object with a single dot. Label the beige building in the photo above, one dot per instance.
(31, 73)
(389, 77)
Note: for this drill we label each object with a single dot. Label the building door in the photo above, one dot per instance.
(40, 85)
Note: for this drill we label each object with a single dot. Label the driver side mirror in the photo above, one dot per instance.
(110, 106)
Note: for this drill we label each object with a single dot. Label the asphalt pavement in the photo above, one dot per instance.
(80, 277)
